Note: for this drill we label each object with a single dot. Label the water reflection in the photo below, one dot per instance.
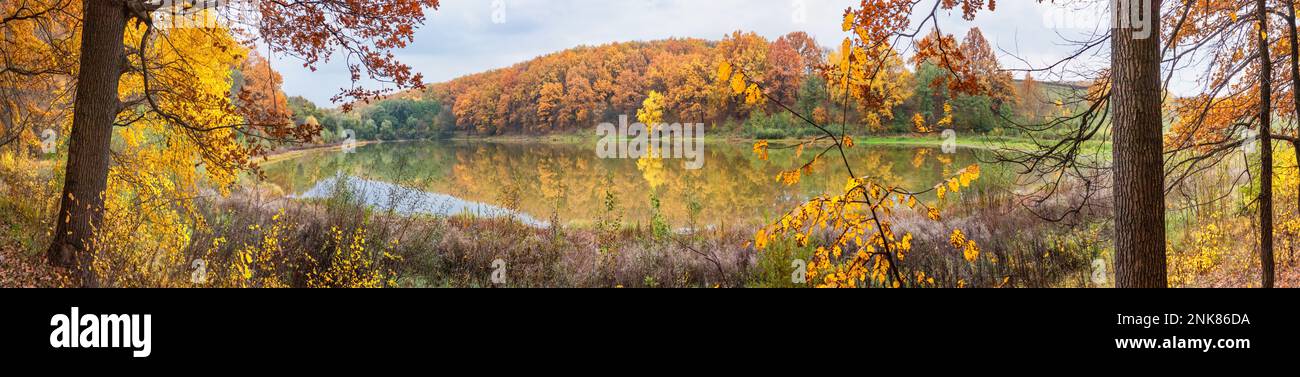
(405, 200)
(570, 184)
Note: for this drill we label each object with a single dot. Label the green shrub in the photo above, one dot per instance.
(777, 263)
(770, 134)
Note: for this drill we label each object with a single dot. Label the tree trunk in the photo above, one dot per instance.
(94, 110)
(1266, 150)
(1138, 151)
(1295, 82)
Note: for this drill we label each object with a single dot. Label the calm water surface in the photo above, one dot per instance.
(540, 182)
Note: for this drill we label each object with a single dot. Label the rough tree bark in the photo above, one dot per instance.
(1266, 149)
(1295, 80)
(1138, 148)
(94, 111)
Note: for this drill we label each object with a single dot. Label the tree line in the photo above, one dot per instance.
(388, 119)
(578, 88)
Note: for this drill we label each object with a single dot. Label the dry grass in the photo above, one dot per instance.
(460, 251)
(24, 224)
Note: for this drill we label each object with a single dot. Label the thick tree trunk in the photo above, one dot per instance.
(1266, 150)
(1138, 151)
(95, 109)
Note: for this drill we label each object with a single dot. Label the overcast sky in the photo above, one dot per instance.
(462, 36)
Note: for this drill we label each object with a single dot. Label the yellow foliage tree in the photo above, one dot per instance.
(652, 115)
(159, 165)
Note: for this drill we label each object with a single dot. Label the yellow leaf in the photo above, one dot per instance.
(753, 95)
(846, 49)
(957, 239)
(737, 84)
(972, 252)
(918, 121)
(789, 178)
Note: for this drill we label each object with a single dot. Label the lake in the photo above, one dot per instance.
(542, 182)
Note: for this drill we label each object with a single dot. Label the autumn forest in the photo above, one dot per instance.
(906, 144)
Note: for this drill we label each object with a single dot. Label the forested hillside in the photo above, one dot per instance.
(578, 88)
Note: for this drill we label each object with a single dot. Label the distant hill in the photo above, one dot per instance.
(578, 88)
(583, 86)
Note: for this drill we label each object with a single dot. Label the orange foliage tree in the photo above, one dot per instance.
(581, 87)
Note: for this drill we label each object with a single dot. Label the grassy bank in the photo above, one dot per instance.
(297, 242)
(302, 150)
(305, 243)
